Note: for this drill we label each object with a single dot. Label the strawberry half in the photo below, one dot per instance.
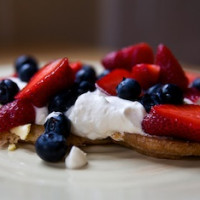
(109, 82)
(170, 69)
(16, 113)
(174, 121)
(129, 56)
(48, 81)
(146, 74)
(76, 66)
(192, 94)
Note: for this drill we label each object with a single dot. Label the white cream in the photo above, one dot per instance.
(40, 115)
(76, 158)
(19, 83)
(52, 114)
(96, 116)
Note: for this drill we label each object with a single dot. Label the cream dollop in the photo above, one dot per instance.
(76, 158)
(40, 115)
(97, 116)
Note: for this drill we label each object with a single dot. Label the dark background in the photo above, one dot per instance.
(103, 24)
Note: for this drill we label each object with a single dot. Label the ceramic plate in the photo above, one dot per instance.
(113, 172)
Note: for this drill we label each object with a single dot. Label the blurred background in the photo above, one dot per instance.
(89, 29)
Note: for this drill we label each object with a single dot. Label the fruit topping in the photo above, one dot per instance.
(85, 86)
(196, 83)
(170, 69)
(192, 94)
(128, 89)
(59, 124)
(52, 78)
(109, 82)
(105, 72)
(129, 56)
(180, 121)
(25, 59)
(16, 113)
(87, 73)
(76, 66)
(8, 90)
(146, 74)
(51, 147)
(26, 72)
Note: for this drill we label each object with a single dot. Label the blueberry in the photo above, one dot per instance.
(63, 100)
(25, 59)
(128, 89)
(87, 73)
(59, 124)
(26, 71)
(149, 100)
(196, 83)
(104, 73)
(51, 147)
(85, 86)
(171, 94)
(154, 89)
(8, 89)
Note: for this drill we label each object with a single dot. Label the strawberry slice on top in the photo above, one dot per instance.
(174, 121)
(170, 69)
(52, 78)
(129, 56)
(108, 83)
(16, 113)
(146, 74)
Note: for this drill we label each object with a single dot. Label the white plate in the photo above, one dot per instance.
(113, 172)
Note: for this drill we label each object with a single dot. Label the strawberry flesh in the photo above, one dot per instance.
(170, 69)
(16, 113)
(192, 94)
(108, 83)
(52, 78)
(180, 122)
(76, 66)
(146, 74)
(129, 56)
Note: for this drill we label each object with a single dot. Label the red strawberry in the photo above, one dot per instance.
(18, 112)
(174, 121)
(129, 56)
(146, 74)
(192, 94)
(170, 69)
(76, 66)
(52, 78)
(109, 82)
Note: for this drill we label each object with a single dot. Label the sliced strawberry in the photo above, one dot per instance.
(16, 113)
(174, 121)
(109, 82)
(129, 56)
(192, 94)
(171, 71)
(48, 81)
(192, 76)
(76, 66)
(146, 74)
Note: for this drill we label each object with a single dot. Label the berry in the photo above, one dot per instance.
(154, 89)
(26, 71)
(128, 89)
(51, 147)
(109, 82)
(25, 59)
(62, 101)
(192, 94)
(149, 101)
(51, 79)
(191, 76)
(196, 83)
(76, 66)
(8, 90)
(129, 56)
(85, 86)
(59, 124)
(170, 69)
(146, 74)
(104, 73)
(87, 73)
(171, 94)
(180, 121)
(16, 113)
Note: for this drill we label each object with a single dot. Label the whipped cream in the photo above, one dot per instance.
(76, 158)
(52, 114)
(97, 116)
(19, 83)
(40, 115)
